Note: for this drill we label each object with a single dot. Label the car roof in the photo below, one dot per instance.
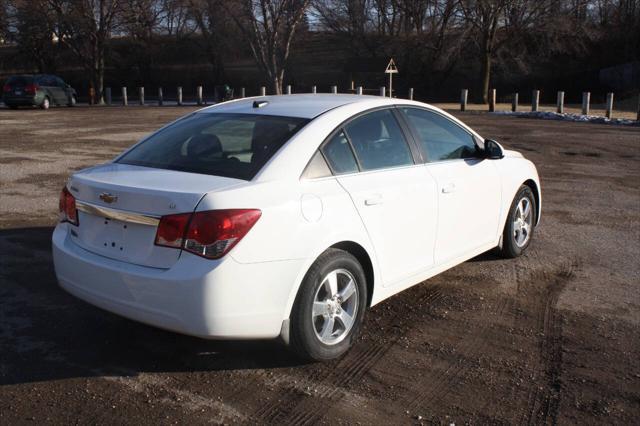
(302, 105)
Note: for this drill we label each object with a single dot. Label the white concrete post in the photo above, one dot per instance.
(263, 91)
(199, 95)
(141, 95)
(179, 95)
(334, 89)
(514, 102)
(609, 105)
(535, 100)
(586, 100)
(359, 90)
(314, 89)
(492, 100)
(107, 95)
(125, 101)
(560, 102)
(383, 91)
(160, 96)
(410, 93)
(464, 96)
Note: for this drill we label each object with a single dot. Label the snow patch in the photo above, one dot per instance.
(548, 115)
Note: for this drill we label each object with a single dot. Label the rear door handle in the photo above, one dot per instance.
(374, 200)
(449, 188)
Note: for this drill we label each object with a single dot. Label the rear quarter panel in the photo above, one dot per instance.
(300, 220)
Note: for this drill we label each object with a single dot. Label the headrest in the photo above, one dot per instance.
(203, 144)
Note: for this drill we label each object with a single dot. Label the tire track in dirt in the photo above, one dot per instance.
(543, 399)
(442, 383)
(295, 408)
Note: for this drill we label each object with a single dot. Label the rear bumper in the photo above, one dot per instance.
(210, 299)
(21, 100)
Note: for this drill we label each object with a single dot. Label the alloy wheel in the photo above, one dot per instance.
(335, 307)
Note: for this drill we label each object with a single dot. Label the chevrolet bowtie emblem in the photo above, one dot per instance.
(108, 198)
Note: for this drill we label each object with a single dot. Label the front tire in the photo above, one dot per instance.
(72, 101)
(520, 225)
(329, 308)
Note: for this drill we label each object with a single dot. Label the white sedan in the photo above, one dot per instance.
(288, 216)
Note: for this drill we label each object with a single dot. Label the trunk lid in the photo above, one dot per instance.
(119, 206)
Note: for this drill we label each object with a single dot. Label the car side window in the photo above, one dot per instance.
(339, 154)
(317, 167)
(378, 141)
(441, 139)
(47, 81)
(60, 83)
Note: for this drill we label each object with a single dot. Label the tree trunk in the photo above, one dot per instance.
(100, 80)
(276, 83)
(486, 75)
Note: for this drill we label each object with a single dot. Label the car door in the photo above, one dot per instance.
(47, 85)
(63, 92)
(469, 188)
(395, 198)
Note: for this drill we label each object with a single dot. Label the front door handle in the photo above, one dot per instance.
(374, 200)
(449, 188)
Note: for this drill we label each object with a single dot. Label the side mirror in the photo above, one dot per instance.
(492, 150)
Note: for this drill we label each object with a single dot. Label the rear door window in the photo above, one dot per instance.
(46, 80)
(230, 145)
(378, 141)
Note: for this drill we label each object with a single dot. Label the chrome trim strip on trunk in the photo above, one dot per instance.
(109, 213)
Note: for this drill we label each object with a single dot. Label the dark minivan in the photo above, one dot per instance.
(41, 90)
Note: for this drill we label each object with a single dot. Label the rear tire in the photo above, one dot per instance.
(520, 225)
(12, 106)
(45, 103)
(329, 308)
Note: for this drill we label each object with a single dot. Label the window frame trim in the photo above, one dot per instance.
(416, 136)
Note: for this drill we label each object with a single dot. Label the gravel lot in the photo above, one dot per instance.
(553, 336)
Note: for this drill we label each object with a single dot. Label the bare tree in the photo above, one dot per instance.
(213, 21)
(85, 27)
(32, 28)
(176, 19)
(4, 21)
(350, 19)
(485, 18)
(269, 26)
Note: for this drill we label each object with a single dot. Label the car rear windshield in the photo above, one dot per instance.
(20, 80)
(220, 144)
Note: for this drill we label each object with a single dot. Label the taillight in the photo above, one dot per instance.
(67, 207)
(171, 230)
(6, 88)
(209, 234)
(31, 88)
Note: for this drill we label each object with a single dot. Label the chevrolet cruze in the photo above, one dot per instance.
(289, 216)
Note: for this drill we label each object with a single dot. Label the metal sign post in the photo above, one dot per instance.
(391, 70)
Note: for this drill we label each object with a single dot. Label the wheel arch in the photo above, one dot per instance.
(361, 254)
(351, 246)
(536, 194)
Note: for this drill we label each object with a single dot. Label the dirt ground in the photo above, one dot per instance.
(551, 337)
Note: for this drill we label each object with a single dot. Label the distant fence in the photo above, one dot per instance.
(288, 90)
